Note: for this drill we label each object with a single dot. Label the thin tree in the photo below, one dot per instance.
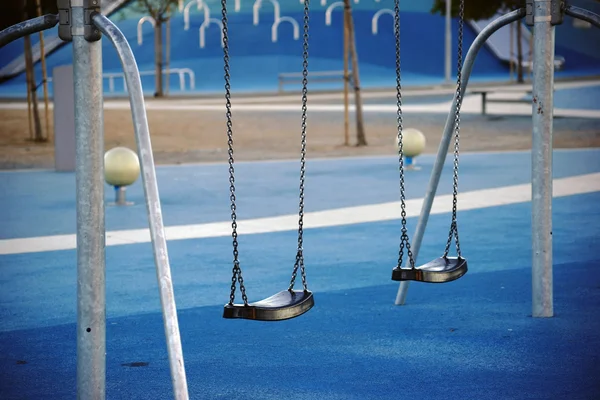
(31, 83)
(160, 11)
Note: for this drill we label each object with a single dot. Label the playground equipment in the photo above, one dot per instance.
(121, 169)
(288, 303)
(51, 42)
(444, 268)
(542, 15)
(375, 19)
(82, 23)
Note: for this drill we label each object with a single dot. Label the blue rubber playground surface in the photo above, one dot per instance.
(473, 338)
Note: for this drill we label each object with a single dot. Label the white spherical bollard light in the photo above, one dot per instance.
(413, 144)
(121, 169)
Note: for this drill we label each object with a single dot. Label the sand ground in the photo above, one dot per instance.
(200, 136)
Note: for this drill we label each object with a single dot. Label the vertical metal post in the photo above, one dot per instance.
(448, 41)
(64, 118)
(75, 26)
(541, 159)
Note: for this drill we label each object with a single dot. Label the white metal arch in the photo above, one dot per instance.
(186, 12)
(276, 24)
(324, 2)
(330, 10)
(256, 8)
(375, 20)
(205, 25)
(147, 18)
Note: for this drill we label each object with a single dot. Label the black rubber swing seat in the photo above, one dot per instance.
(283, 305)
(440, 270)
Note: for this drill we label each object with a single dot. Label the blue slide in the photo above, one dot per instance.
(500, 42)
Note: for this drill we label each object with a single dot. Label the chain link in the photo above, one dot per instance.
(299, 255)
(404, 240)
(454, 225)
(237, 271)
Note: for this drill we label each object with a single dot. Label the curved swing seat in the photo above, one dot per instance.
(440, 270)
(283, 305)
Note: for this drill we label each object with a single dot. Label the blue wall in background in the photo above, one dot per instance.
(256, 61)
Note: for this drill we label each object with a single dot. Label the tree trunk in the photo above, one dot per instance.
(38, 4)
(346, 82)
(158, 58)
(31, 84)
(360, 127)
(168, 56)
(519, 53)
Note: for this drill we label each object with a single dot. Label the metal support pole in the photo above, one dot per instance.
(89, 150)
(447, 136)
(27, 28)
(541, 159)
(448, 41)
(583, 14)
(157, 231)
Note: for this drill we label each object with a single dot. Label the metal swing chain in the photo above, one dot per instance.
(299, 255)
(404, 241)
(237, 271)
(454, 225)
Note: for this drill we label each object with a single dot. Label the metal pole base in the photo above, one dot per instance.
(410, 164)
(121, 197)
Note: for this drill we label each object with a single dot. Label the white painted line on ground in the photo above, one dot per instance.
(320, 219)
(471, 105)
(367, 94)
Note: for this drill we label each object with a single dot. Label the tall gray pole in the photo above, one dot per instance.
(448, 41)
(89, 166)
(541, 159)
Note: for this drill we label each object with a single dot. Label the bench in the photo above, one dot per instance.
(319, 76)
(485, 100)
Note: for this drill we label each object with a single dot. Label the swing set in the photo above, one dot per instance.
(81, 22)
(291, 303)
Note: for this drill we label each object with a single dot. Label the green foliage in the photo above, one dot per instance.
(477, 9)
(160, 10)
